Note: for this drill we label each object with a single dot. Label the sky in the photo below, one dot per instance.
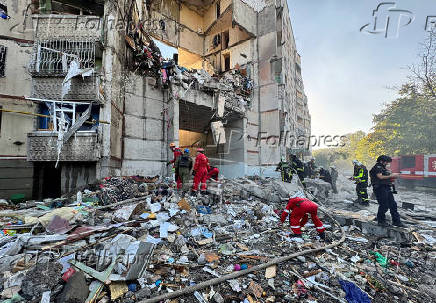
(348, 74)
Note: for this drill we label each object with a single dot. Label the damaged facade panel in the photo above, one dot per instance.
(244, 16)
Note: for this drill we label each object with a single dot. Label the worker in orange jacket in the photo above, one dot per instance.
(298, 210)
(176, 153)
(200, 170)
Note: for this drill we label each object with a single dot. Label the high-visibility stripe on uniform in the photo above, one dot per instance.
(321, 227)
(286, 211)
(295, 226)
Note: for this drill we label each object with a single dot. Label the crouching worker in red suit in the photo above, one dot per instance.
(298, 210)
(200, 170)
(212, 172)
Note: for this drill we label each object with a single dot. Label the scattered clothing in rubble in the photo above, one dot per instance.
(354, 293)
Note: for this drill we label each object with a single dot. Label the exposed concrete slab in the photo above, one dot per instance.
(245, 16)
(194, 96)
(266, 19)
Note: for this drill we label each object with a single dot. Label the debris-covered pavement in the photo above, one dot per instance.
(136, 239)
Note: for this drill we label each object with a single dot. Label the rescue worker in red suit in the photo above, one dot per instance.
(177, 153)
(298, 210)
(212, 172)
(200, 170)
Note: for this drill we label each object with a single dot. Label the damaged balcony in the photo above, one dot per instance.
(72, 19)
(68, 26)
(65, 131)
(50, 88)
(42, 146)
(56, 63)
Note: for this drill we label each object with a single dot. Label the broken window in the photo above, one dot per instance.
(226, 40)
(73, 7)
(227, 62)
(54, 57)
(52, 115)
(218, 10)
(2, 60)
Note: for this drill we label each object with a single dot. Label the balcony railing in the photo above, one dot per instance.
(81, 89)
(49, 27)
(53, 57)
(42, 146)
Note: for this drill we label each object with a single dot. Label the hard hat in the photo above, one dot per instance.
(201, 150)
(298, 194)
(187, 150)
(355, 162)
(172, 144)
(283, 159)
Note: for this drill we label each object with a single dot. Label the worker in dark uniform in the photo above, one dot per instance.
(334, 173)
(324, 175)
(285, 170)
(311, 168)
(361, 180)
(381, 183)
(298, 167)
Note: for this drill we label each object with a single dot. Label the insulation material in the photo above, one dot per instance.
(62, 128)
(221, 104)
(78, 124)
(218, 132)
(74, 71)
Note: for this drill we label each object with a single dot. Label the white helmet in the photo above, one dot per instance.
(298, 194)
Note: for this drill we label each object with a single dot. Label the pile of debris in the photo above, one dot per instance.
(235, 86)
(137, 240)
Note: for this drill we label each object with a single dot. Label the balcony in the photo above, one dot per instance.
(50, 88)
(51, 26)
(42, 146)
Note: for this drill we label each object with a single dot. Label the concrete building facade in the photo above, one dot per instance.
(95, 99)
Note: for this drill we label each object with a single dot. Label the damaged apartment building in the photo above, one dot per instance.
(86, 93)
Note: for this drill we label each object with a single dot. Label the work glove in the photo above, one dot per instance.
(193, 172)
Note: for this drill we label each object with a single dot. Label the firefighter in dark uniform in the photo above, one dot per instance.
(361, 179)
(298, 167)
(381, 180)
(285, 168)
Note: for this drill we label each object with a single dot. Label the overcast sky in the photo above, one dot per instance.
(346, 72)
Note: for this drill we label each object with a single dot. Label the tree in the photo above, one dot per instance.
(423, 74)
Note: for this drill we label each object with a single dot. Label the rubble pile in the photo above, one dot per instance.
(235, 85)
(135, 239)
